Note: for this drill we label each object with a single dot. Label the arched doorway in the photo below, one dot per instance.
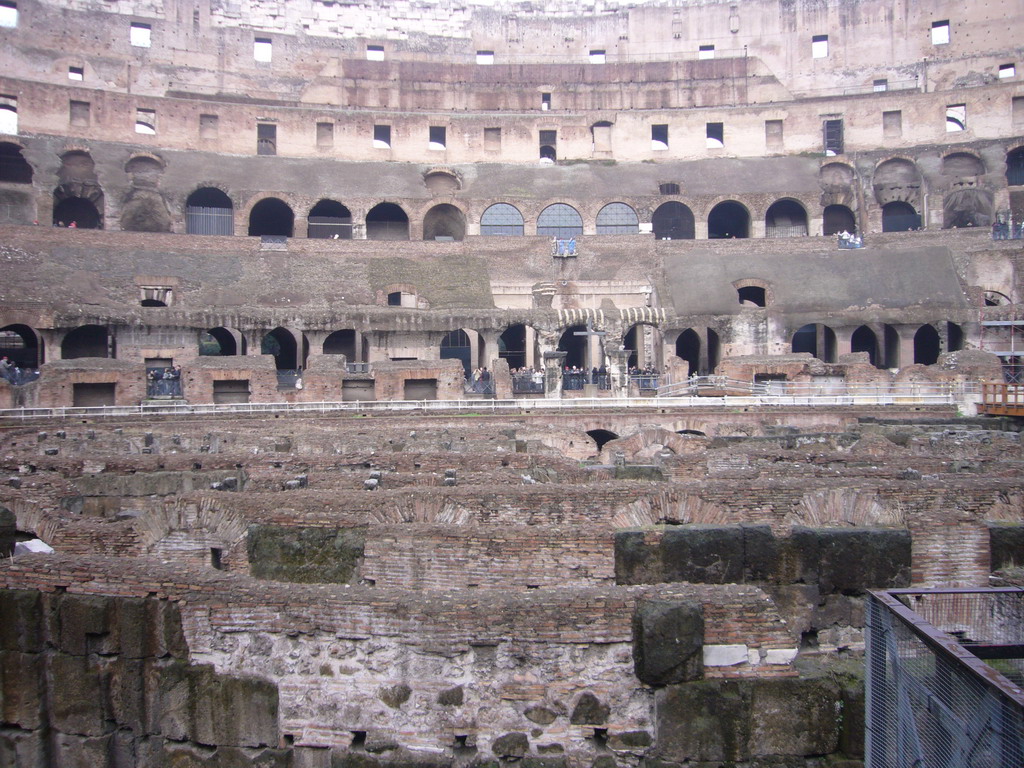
(602, 437)
(22, 346)
(688, 349)
(1015, 167)
(76, 211)
(838, 218)
(865, 340)
(574, 346)
(456, 345)
(785, 218)
(899, 216)
(444, 222)
(209, 211)
(954, 337)
(816, 339)
(78, 199)
(387, 221)
(728, 220)
(221, 342)
(927, 346)
(673, 221)
(14, 168)
(342, 342)
(86, 341)
(617, 219)
(329, 220)
(644, 344)
(502, 219)
(281, 343)
(271, 217)
(560, 221)
(518, 345)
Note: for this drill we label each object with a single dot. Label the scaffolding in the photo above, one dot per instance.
(1004, 336)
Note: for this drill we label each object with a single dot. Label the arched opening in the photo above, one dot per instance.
(644, 344)
(785, 218)
(691, 432)
(387, 221)
(574, 346)
(456, 345)
(688, 349)
(601, 136)
(271, 217)
(728, 220)
(560, 221)
(865, 340)
(816, 339)
(22, 346)
(838, 218)
(502, 219)
(442, 182)
(220, 342)
(1015, 167)
(329, 220)
(14, 168)
(673, 221)
(617, 219)
(547, 154)
(517, 345)
(444, 222)
(954, 337)
(752, 296)
(601, 437)
(76, 212)
(996, 299)
(342, 342)
(926, 345)
(209, 211)
(962, 164)
(282, 345)
(899, 216)
(86, 341)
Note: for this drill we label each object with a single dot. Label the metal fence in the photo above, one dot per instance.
(932, 700)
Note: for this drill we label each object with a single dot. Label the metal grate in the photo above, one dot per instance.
(931, 699)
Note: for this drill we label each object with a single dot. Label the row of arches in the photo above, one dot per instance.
(518, 345)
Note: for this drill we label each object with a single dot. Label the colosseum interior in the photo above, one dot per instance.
(742, 274)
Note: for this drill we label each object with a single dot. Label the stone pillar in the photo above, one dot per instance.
(530, 350)
(906, 345)
(618, 371)
(554, 362)
(300, 227)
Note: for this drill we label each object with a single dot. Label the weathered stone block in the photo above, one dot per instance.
(232, 711)
(198, 756)
(798, 557)
(21, 627)
(395, 695)
(668, 636)
(85, 625)
(589, 710)
(77, 750)
(540, 715)
(76, 696)
(852, 560)
(450, 697)
(703, 554)
(636, 560)
(123, 682)
(22, 749)
(21, 681)
(629, 740)
(511, 745)
(760, 553)
(705, 720)
(305, 555)
(790, 716)
(167, 693)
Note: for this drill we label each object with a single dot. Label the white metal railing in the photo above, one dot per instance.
(925, 395)
(803, 389)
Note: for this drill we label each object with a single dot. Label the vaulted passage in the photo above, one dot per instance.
(816, 339)
(673, 221)
(76, 212)
(444, 222)
(838, 218)
(728, 220)
(14, 168)
(602, 436)
(329, 219)
(21, 345)
(209, 211)
(387, 221)
(786, 218)
(926, 345)
(899, 217)
(271, 217)
(86, 341)
(221, 342)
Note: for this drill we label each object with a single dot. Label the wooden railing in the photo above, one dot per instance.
(999, 399)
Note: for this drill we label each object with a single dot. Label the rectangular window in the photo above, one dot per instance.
(492, 139)
(76, 73)
(715, 135)
(438, 138)
(1007, 70)
(1017, 112)
(548, 137)
(659, 136)
(485, 57)
(375, 53)
(602, 134)
(325, 134)
(145, 121)
(940, 32)
(892, 124)
(833, 137)
(266, 139)
(773, 135)
(545, 101)
(263, 49)
(208, 127)
(819, 46)
(80, 113)
(956, 117)
(706, 52)
(8, 115)
(140, 35)
(382, 136)
(880, 85)
(8, 14)
(597, 56)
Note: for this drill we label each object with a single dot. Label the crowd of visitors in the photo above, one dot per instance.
(15, 375)
(164, 382)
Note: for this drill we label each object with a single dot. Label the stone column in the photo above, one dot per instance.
(554, 362)
(618, 370)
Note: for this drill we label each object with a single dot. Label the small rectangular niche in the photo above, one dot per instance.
(773, 135)
(714, 134)
(956, 118)
(231, 391)
(263, 49)
(832, 134)
(892, 124)
(668, 188)
(93, 395)
(76, 73)
(216, 558)
(492, 139)
(485, 57)
(545, 101)
(208, 126)
(325, 134)
(1007, 71)
(819, 47)
(597, 56)
(382, 137)
(79, 113)
(375, 53)
(659, 137)
(145, 121)
(438, 138)
(880, 85)
(8, 14)
(940, 32)
(140, 35)
(706, 52)
(266, 139)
